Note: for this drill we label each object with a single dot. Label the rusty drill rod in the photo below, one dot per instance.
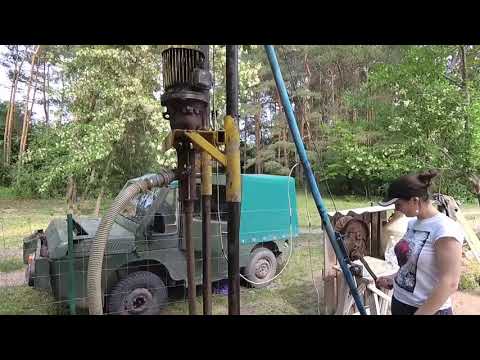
(206, 242)
(188, 206)
(370, 271)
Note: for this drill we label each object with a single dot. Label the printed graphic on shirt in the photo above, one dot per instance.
(407, 252)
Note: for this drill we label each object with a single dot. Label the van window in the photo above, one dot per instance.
(219, 205)
(216, 208)
(165, 217)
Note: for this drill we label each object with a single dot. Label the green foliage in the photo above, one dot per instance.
(420, 124)
(470, 278)
(116, 130)
(111, 126)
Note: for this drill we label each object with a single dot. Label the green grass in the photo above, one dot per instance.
(6, 193)
(23, 300)
(10, 264)
(20, 217)
(338, 202)
(292, 293)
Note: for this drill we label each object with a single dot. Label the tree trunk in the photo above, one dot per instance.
(71, 194)
(7, 133)
(468, 135)
(301, 115)
(332, 77)
(464, 74)
(62, 100)
(46, 71)
(9, 122)
(245, 146)
(35, 86)
(99, 201)
(84, 195)
(102, 188)
(258, 144)
(285, 151)
(26, 120)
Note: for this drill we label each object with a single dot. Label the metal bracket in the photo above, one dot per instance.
(205, 140)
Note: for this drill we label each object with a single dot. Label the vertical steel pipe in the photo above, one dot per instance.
(206, 169)
(206, 241)
(232, 151)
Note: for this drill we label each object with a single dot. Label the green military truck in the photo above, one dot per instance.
(146, 255)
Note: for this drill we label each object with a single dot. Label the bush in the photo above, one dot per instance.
(470, 278)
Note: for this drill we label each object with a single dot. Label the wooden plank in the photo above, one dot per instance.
(374, 235)
(373, 303)
(329, 277)
(343, 294)
(382, 217)
(330, 296)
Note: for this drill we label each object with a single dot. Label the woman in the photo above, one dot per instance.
(429, 255)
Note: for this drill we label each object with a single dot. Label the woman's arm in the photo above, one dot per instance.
(448, 253)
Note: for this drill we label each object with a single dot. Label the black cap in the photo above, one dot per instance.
(404, 187)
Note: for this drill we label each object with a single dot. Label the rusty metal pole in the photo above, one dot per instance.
(206, 169)
(233, 179)
(192, 294)
(186, 168)
(206, 241)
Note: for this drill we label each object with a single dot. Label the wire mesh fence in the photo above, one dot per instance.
(145, 266)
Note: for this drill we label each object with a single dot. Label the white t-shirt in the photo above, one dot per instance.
(418, 273)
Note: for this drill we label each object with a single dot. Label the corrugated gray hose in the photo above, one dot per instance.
(97, 250)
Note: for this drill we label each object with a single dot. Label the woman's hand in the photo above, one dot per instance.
(385, 282)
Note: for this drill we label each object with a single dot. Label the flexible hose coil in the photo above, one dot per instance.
(97, 249)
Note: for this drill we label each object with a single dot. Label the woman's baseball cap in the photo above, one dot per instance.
(405, 187)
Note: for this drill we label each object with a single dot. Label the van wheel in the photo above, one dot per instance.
(261, 267)
(140, 293)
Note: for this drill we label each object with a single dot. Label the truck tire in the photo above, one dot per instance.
(139, 293)
(262, 266)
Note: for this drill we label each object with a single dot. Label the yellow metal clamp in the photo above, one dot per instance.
(231, 158)
(232, 152)
(206, 174)
(205, 145)
(202, 139)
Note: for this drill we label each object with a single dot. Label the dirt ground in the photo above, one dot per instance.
(466, 303)
(14, 278)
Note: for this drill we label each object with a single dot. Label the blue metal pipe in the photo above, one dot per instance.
(322, 210)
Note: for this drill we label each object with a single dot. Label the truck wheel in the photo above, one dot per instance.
(261, 267)
(140, 293)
